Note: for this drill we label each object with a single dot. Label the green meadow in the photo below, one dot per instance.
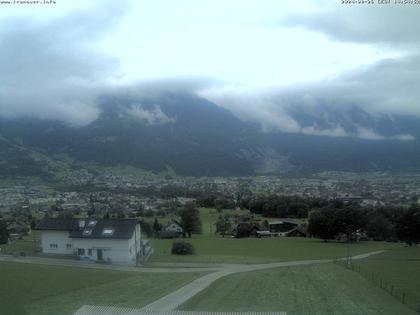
(253, 250)
(211, 247)
(49, 290)
(314, 289)
(397, 271)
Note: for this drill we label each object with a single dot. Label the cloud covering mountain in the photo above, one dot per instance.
(48, 68)
(287, 67)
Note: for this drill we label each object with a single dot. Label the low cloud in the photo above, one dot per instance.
(49, 70)
(152, 116)
(386, 88)
(387, 24)
(360, 133)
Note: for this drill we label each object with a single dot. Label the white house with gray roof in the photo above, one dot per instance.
(116, 241)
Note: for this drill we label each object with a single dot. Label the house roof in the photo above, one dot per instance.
(107, 228)
(91, 228)
(283, 221)
(248, 225)
(172, 222)
(302, 230)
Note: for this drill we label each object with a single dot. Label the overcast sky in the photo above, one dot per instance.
(254, 57)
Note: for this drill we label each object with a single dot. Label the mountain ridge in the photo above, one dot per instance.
(194, 136)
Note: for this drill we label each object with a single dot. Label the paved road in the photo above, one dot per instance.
(164, 267)
(92, 265)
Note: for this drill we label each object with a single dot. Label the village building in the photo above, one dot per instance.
(282, 227)
(171, 230)
(287, 227)
(116, 241)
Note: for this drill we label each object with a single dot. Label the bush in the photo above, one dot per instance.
(182, 248)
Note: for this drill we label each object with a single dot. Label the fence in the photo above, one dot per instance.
(379, 281)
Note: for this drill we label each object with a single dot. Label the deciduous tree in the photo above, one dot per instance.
(190, 219)
(408, 226)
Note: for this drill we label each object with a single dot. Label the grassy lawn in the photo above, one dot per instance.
(254, 250)
(28, 244)
(36, 290)
(316, 289)
(400, 268)
(214, 248)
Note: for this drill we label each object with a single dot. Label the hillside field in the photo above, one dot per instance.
(211, 247)
(316, 289)
(44, 290)
(398, 269)
(48, 290)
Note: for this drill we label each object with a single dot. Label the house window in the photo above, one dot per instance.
(90, 251)
(108, 231)
(80, 251)
(68, 246)
(92, 223)
(87, 232)
(53, 246)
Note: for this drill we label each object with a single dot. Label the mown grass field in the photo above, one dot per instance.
(40, 290)
(211, 247)
(253, 250)
(314, 289)
(28, 244)
(399, 270)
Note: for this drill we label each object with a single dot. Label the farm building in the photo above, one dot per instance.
(246, 229)
(171, 230)
(173, 226)
(17, 228)
(282, 226)
(116, 241)
(286, 227)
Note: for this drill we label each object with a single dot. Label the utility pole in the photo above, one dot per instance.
(348, 252)
(135, 244)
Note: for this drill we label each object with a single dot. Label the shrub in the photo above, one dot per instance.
(182, 248)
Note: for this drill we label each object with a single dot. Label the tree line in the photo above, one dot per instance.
(328, 219)
(351, 221)
(276, 206)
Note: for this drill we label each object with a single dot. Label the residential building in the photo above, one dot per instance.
(116, 241)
